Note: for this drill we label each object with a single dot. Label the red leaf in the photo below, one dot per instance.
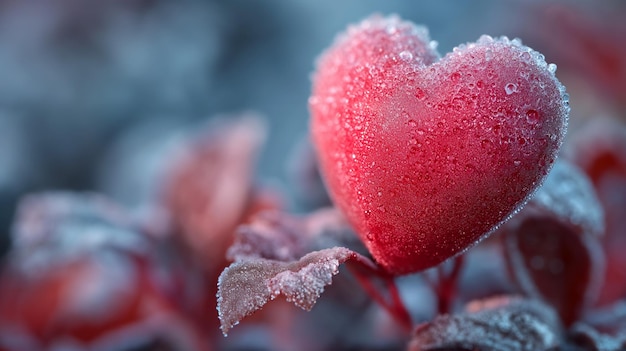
(246, 286)
(81, 273)
(274, 258)
(585, 337)
(552, 246)
(276, 236)
(209, 190)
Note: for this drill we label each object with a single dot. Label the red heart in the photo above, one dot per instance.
(425, 156)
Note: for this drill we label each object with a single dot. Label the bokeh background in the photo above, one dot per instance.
(80, 78)
(94, 93)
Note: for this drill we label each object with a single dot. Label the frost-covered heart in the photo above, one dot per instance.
(425, 156)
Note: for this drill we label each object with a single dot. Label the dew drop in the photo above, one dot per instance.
(406, 56)
(419, 94)
(353, 156)
(526, 55)
(566, 99)
(413, 141)
(485, 143)
(552, 68)
(412, 123)
(517, 162)
(420, 131)
(488, 54)
(510, 88)
(455, 76)
(532, 116)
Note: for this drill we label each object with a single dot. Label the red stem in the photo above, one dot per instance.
(446, 286)
(364, 271)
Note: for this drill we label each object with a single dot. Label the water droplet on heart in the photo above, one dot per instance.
(412, 123)
(369, 236)
(486, 143)
(353, 156)
(413, 141)
(406, 56)
(420, 131)
(479, 84)
(510, 88)
(391, 29)
(380, 193)
(419, 94)
(455, 76)
(526, 56)
(552, 68)
(488, 54)
(532, 116)
(517, 162)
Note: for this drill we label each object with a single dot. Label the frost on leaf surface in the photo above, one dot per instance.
(582, 336)
(497, 324)
(276, 236)
(246, 286)
(273, 257)
(553, 247)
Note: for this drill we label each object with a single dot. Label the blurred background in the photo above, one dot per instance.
(94, 94)
(84, 84)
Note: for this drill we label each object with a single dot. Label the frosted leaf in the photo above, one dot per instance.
(552, 246)
(45, 216)
(282, 237)
(246, 286)
(53, 228)
(569, 194)
(501, 324)
(209, 187)
(585, 337)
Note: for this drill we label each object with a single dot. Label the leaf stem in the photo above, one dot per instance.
(365, 271)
